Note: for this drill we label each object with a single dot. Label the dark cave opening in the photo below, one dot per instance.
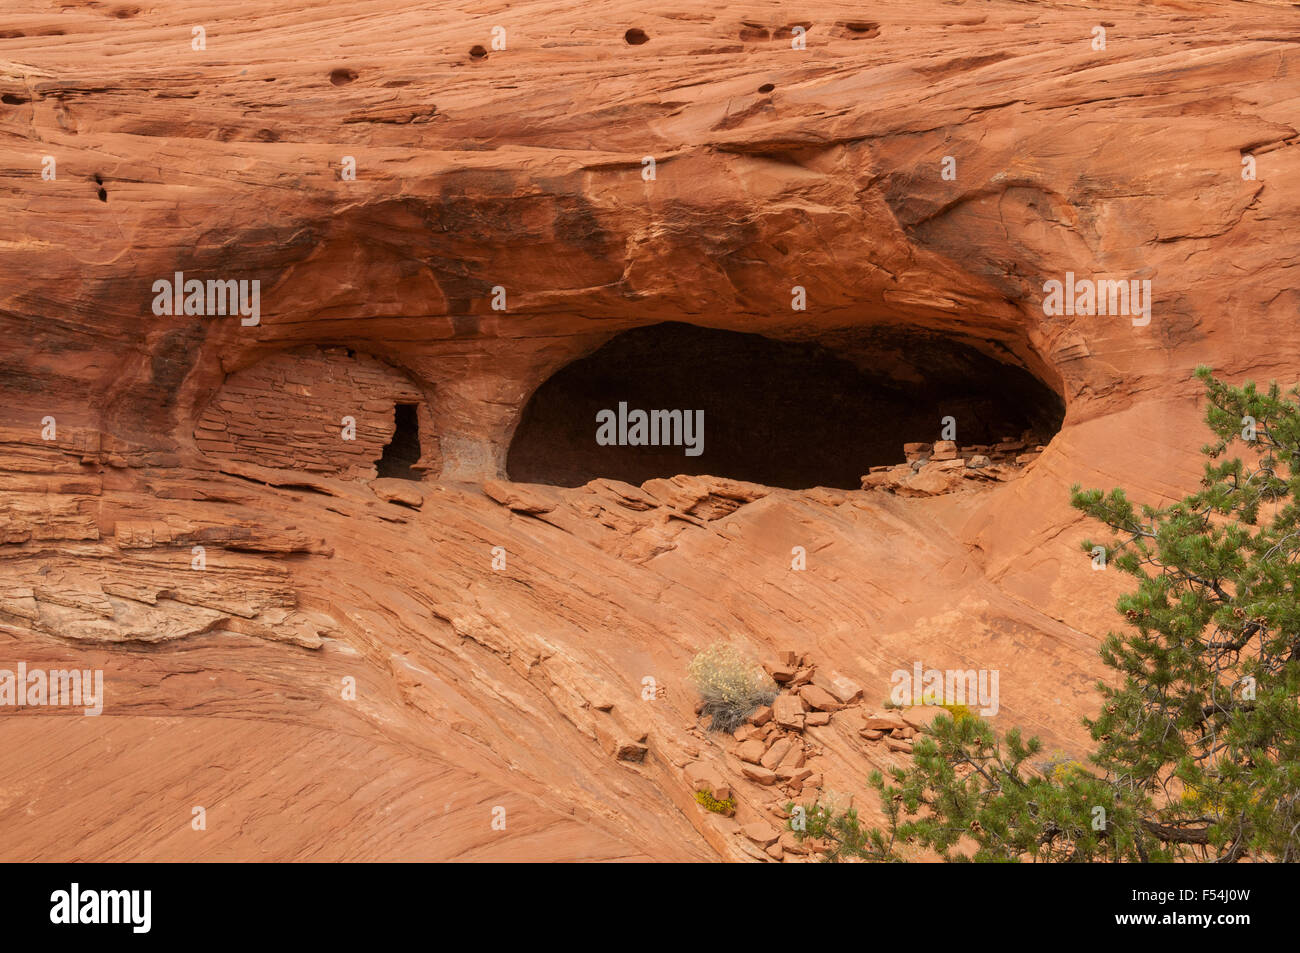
(779, 413)
(403, 451)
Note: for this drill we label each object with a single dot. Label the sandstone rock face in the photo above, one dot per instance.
(333, 670)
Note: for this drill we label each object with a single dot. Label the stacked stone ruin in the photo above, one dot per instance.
(288, 412)
(944, 467)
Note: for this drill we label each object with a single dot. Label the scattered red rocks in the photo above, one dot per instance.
(897, 729)
(774, 754)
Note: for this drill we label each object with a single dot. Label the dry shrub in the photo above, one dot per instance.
(731, 684)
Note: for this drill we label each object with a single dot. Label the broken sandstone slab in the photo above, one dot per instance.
(794, 774)
(627, 750)
(772, 758)
(521, 497)
(787, 711)
(756, 772)
(401, 492)
(944, 450)
(916, 451)
(790, 844)
(920, 717)
(888, 721)
(761, 833)
(780, 672)
(818, 699)
(751, 751)
(842, 688)
(794, 759)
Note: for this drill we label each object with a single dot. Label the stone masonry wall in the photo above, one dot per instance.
(287, 412)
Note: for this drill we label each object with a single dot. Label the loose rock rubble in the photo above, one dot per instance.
(774, 754)
(943, 467)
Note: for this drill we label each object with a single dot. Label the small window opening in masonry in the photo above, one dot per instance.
(403, 451)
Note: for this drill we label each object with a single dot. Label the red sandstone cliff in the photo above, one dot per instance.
(522, 169)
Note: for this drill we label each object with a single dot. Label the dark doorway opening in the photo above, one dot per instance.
(779, 413)
(403, 451)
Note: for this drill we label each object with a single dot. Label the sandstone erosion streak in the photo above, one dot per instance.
(521, 687)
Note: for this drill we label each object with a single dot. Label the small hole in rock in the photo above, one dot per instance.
(9, 99)
(766, 88)
(477, 52)
(403, 451)
(636, 37)
(341, 77)
(103, 195)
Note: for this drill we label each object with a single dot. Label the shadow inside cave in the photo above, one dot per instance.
(780, 413)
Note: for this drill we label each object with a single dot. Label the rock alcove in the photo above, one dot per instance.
(791, 414)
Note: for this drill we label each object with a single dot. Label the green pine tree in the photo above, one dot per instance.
(1198, 739)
